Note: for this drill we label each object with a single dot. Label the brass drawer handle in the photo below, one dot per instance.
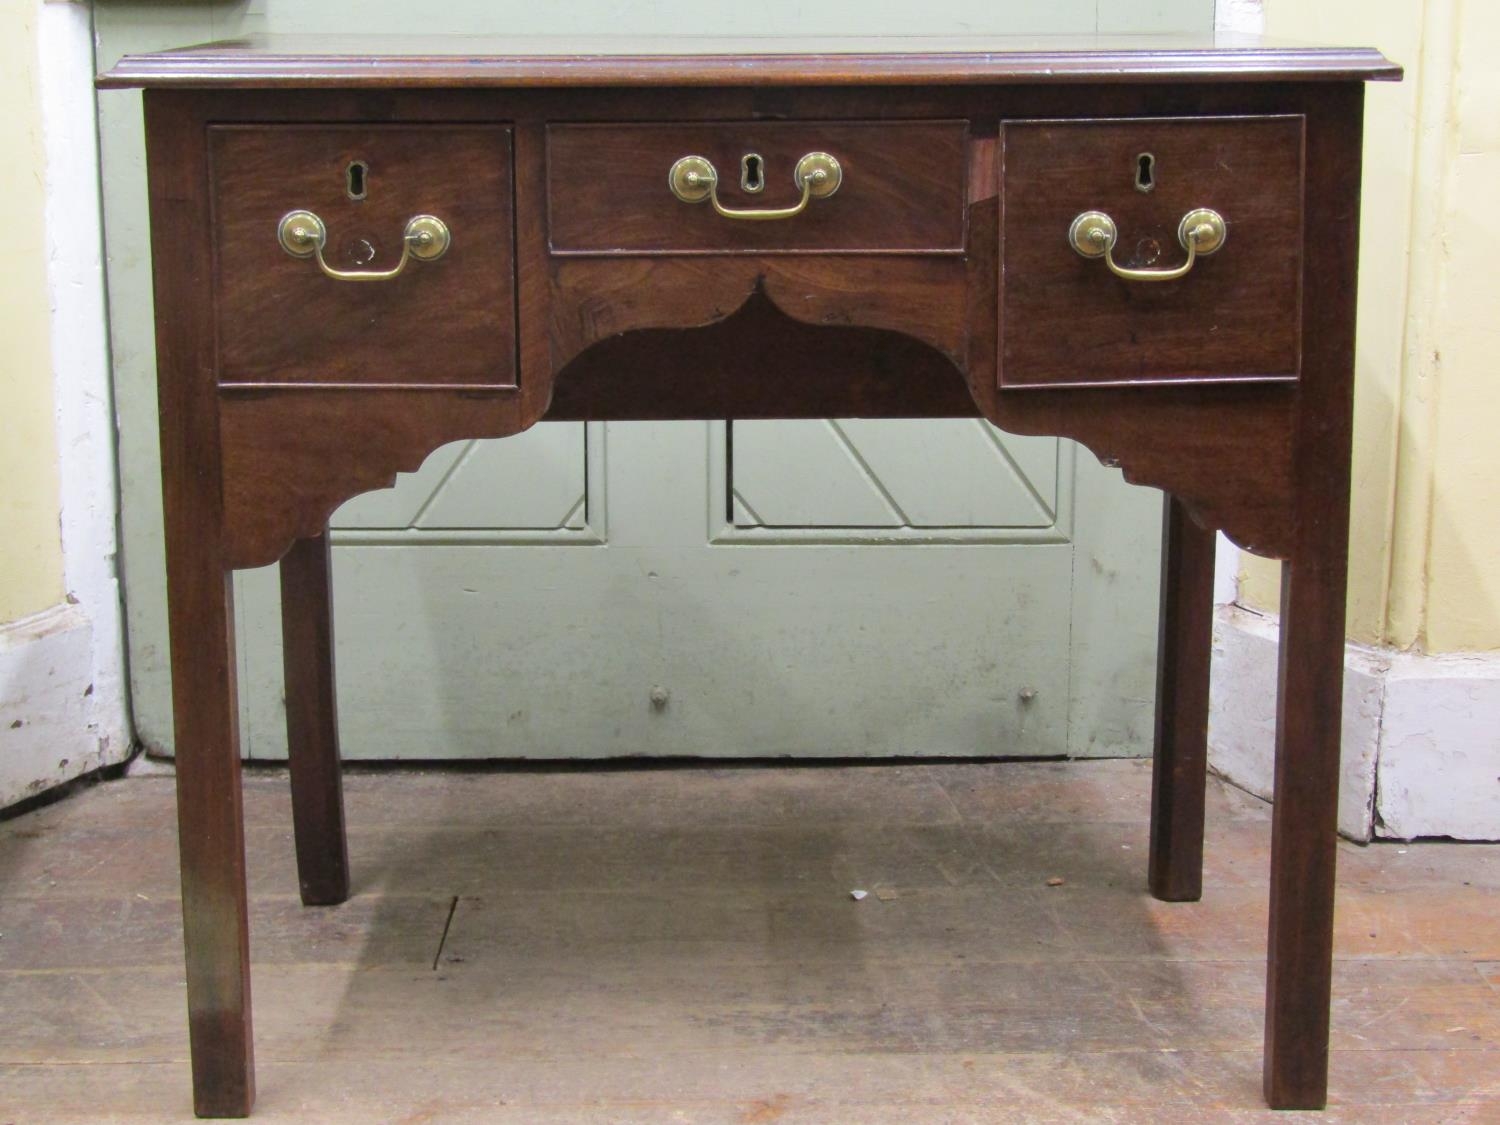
(693, 179)
(1201, 232)
(303, 235)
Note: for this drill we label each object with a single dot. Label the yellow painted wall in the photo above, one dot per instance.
(1463, 554)
(1424, 540)
(30, 545)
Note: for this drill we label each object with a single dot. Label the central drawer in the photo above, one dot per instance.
(901, 188)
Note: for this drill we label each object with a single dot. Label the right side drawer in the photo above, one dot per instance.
(1235, 316)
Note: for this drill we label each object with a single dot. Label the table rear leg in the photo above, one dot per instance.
(312, 723)
(1180, 769)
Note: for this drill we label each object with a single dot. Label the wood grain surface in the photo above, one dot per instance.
(284, 393)
(1180, 754)
(902, 187)
(630, 944)
(1066, 320)
(200, 611)
(1309, 687)
(312, 722)
(280, 320)
(352, 61)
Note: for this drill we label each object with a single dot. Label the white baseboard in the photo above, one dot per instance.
(54, 724)
(1421, 733)
(1440, 748)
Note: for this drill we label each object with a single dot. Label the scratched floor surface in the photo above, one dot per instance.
(681, 945)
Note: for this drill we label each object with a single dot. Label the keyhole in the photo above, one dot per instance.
(1145, 172)
(356, 179)
(752, 172)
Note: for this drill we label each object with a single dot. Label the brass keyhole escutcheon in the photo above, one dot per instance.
(1145, 172)
(357, 180)
(752, 173)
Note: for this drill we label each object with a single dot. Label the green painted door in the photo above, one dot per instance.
(834, 588)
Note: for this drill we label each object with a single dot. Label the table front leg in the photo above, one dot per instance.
(1304, 819)
(211, 835)
(312, 723)
(1179, 772)
(1314, 578)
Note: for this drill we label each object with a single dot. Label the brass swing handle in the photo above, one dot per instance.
(1201, 232)
(693, 180)
(303, 235)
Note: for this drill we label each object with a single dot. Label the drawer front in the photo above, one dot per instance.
(901, 188)
(449, 321)
(1068, 320)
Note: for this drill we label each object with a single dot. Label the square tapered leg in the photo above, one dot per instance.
(312, 723)
(1180, 767)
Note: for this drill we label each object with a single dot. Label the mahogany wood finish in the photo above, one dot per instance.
(359, 62)
(312, 723)
(292, 456)
(937, 283)
(921, 297)
(443, 322)
(1180, 766)
(200, 611)
(1309, 693)
(1065, 320)
(760, 360)
(902, 190)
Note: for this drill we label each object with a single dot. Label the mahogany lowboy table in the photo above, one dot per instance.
(365, 250)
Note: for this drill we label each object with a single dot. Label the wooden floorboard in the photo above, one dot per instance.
(680, 945)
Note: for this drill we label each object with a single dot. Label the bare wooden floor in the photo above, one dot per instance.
(680, 945)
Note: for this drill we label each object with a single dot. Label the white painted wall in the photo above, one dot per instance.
(63, 710)
(1247, 17)
(80, 339)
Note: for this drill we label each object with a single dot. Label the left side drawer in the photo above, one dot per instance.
(448, 321)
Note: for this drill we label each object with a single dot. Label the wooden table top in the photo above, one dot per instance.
(391, 60)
